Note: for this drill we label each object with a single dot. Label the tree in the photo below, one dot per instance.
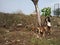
(35, 1)
(37, 11)
(57, 12)
(46, 11)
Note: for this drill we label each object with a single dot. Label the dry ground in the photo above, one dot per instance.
(26, 37)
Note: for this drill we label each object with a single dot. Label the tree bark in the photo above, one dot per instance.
(38, 15)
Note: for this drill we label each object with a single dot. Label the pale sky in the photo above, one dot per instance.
(26, 6)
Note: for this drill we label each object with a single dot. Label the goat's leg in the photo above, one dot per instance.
(39, 31)
(43, 34)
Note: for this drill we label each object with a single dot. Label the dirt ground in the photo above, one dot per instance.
(26, 37)
(23, 36)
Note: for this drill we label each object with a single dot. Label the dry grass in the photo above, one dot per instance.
(23, 35)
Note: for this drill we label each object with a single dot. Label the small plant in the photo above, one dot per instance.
(46, 11)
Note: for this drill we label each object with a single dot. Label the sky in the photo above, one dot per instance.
(26, 6)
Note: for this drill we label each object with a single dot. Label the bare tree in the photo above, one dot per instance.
(37, 11)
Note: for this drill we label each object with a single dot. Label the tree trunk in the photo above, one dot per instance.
(38, 15)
